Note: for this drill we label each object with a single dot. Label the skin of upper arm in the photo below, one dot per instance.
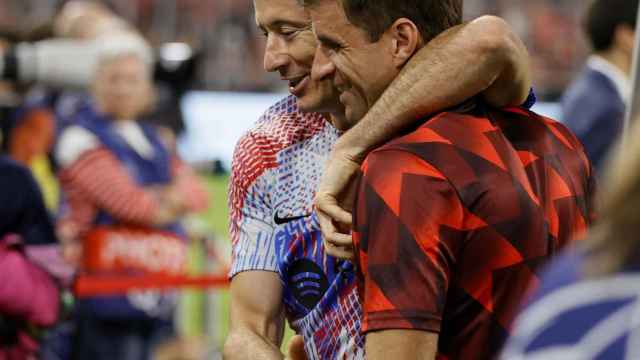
(257, 315)
(401, 345)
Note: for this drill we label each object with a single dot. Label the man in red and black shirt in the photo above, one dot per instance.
(453, 220)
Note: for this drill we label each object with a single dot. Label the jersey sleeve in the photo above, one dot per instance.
(251, 224)
(405, 214)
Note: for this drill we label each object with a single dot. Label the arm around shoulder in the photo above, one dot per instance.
(483, 57)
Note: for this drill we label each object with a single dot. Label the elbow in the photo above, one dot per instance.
(495, 38)
(233, 346)
(506, 57)
(243, 342)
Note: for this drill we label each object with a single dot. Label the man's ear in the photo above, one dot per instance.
(406, 40)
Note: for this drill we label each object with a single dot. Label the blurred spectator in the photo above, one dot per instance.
(29, 143)
(87, 20)
(23, 212)
(594, 105)
(223, 33)
(586, 306)
(117, 171)
(550, 30)
(29, 296)
(32, 128)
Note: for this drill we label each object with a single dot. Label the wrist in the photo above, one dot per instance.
(351, 148)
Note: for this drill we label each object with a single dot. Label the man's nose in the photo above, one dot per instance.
(323, 67)
(274, 54)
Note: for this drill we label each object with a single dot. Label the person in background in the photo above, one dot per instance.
(44, 109)
(586, 306)
(117, 171)
(593, 106)
(30, 142)
(29, 293)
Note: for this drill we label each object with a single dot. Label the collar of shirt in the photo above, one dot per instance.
(617, 77)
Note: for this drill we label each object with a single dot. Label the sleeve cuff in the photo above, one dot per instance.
(401, 320)
(243, 264)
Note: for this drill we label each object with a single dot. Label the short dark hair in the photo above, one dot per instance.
(604, 16)
(432, 17)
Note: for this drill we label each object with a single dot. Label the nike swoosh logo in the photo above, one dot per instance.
(280, 221)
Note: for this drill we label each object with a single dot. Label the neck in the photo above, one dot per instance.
(618, 58)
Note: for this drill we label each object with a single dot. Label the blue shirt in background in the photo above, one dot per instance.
(571, 317)
(593, 108)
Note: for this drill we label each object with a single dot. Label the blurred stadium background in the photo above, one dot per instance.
(211, 52)
(224, 47)
(228, 46)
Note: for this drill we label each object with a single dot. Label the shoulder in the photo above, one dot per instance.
(555, 129)
(533, 134)
(284, 123)
(19, 180)
(10, 167)
(589, 90)
(428, 147)
(446, 128)
(15, 175)
(529, 131)
(589, 78)
(281, 126)
(401, 165)
(74, 141)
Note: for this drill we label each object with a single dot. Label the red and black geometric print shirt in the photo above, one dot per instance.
(453, 221)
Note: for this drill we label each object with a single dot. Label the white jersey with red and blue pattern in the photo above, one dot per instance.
(276, 169)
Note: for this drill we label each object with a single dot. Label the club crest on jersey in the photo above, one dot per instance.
(307, 281)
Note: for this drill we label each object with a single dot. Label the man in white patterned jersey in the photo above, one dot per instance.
(280, 267)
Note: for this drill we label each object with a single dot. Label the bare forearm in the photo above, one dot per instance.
(247, 345)
(254, 337)
(482, 55)
(257, 317)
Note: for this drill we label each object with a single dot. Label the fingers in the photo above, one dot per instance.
(336, 244)
(339, 252)
(330, 232)
(296, 349)
(336, 185)
(328, 204)
(335, 194)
